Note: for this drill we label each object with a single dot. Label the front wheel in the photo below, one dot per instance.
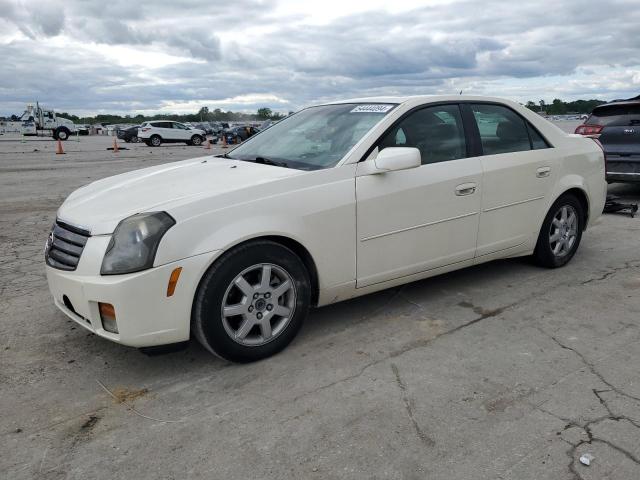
(196, 140)
(561, 233)
(252, 302)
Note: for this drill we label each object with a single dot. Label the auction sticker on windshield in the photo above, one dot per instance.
(372, 109)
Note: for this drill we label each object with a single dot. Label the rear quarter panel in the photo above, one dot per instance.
(582, 167)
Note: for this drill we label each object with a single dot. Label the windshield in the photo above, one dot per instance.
(314, 138)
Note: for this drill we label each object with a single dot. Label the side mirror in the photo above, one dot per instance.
(397, 158)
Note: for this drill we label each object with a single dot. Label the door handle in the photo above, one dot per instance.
(465, 189)
(543, 172)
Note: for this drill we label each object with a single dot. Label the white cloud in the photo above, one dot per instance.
(154, 55)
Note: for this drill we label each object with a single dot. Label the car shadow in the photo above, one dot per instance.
(332, 319)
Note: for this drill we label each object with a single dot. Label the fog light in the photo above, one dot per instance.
(108, 317)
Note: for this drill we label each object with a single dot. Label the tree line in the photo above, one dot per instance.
(203, 115)
(559, 107)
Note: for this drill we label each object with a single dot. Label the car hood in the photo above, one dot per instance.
(101, 205)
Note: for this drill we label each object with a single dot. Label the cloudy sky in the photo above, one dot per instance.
(129, 56)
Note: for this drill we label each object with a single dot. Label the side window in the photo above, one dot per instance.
(436, 131)
(537, 142)
(501, 129)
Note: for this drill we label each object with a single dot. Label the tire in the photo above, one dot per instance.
(196, 140)
(61, 134)
(128, 140)
(155, 141)
(560, 236)
(267, 317)
(135, 139)
(147, 143)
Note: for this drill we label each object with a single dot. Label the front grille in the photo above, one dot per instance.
(65, 245)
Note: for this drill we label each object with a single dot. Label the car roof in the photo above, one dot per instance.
(624, 103)
(418, 99)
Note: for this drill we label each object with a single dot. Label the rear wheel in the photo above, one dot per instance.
(561, 232)
(155, 141)
(252, 302)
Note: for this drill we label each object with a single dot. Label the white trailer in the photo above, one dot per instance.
(37, 121)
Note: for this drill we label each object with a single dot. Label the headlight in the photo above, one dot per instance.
(134, 243)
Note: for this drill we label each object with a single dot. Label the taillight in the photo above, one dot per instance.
(589, 130)
(145, 129)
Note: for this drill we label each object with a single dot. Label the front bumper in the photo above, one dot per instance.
(144, 314)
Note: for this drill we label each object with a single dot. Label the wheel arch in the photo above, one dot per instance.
(295, 246)
(582, 197)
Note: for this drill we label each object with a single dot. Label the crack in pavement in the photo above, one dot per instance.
(408, 405)
(587, 426)
(613, 271)
(591, 367)
(421, 343)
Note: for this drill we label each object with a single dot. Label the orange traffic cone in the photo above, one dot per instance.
(115, 145)
(59, 150)
(207, 144)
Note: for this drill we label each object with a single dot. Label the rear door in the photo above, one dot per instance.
(164, 129)
(519, 168)
(620, 137)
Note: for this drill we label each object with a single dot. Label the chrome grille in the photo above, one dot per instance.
(65, 245)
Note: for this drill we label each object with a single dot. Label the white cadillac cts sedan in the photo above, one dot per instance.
(335, 201)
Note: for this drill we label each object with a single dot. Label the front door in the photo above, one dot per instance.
(181, 132)
(411, 221)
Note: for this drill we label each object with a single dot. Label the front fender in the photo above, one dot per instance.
(319, 215)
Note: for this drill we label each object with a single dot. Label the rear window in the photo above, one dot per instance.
(615, 115)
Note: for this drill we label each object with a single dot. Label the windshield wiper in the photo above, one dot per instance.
(268, 161)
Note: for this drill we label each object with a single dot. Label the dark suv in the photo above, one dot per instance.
(617, 126)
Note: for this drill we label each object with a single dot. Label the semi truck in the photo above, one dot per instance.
(37, 121)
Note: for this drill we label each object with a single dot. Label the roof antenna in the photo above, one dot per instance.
(460, 92)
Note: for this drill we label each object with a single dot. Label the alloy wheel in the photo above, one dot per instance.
(563, 231)
(258, 304)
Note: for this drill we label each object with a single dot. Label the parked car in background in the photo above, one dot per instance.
(239, 134)
(204, 127)
(129, 134)
(216, 127)
(617, 127)
(266, 124)
(157, 132)
(82, 129)
(333, 202)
